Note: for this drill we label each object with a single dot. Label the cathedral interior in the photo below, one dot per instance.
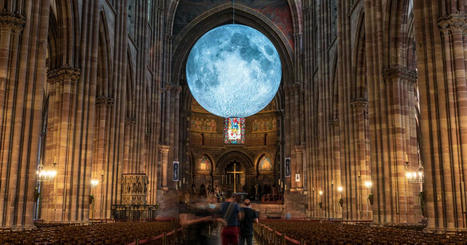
(99, 123)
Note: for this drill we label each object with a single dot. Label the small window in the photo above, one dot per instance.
(234, 131)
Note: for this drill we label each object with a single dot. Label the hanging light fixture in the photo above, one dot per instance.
(94, 182)
(44, 174)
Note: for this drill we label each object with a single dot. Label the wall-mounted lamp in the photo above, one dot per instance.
(94, 182)
(46, 174)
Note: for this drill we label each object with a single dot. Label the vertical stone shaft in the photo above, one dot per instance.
(23, 35)
(164, 162)
(442, 66)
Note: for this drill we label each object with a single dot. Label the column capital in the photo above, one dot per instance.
(63, 74)
(176, 89)
(397, 71)
(359, 102)
(293, 87)
(299, 148)
(360, 105)
(164, 148)
(130, 120)
(453, 22)
(333, 122)
(297, 35)
(11, 21)
(107, 100)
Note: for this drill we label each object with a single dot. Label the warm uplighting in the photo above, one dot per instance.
(368, 184)
(414, 176)
(94, 182)
(320, 193)
(340, 188)
(46, 174)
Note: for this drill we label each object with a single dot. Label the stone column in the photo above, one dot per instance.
(23, 39)
(360, 111)
(164, 150)
(297, 168)
(61, 96)
(441, 63)
(336, 194)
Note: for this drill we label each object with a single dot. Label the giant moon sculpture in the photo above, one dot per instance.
(233, 71)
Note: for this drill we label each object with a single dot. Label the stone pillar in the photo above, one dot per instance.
(441, 63)
(100, 162)
(23, 44)
(336, 193)
(164, 150)
(61, 96)
(362, 168)
(297, 168)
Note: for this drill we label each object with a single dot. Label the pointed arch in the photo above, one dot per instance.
(359, 70)
(67, 22)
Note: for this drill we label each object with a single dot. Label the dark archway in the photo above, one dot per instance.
(223, 15)
(242, 158)
(227, 167)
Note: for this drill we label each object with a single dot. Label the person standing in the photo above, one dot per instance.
(196, 218)
(246, 225)
(231, 215)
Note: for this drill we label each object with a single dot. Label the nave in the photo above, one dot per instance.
(345, 120)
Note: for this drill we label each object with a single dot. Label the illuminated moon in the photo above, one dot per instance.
(233, 71)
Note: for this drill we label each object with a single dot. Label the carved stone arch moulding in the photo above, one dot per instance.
(235, 155)
(204, 164)
(220, 15)
(264, 163)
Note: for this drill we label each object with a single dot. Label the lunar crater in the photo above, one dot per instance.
(233, 71)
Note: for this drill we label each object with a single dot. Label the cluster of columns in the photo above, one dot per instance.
(362, 123)
(441, 54)
(23, 39)
(96, 94)
(363, 137)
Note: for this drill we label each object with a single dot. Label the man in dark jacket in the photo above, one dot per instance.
(246, 225)
(231, 215)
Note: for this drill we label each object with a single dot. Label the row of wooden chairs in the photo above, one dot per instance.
(312, 232)
(112, 233)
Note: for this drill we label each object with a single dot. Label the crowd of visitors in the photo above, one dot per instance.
(206, 219)
(259, 192)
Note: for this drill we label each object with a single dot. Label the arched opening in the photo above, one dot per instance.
(206, 131)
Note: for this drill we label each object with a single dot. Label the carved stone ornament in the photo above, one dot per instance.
(453, 23)
(14, 22)
(63, 74)
(400, 72)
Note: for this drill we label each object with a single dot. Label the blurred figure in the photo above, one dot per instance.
(202, 190)
(197, 217)
(246, 225)
(193, 188)
(231, 216)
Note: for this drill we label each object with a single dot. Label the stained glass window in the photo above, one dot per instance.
(234, 131)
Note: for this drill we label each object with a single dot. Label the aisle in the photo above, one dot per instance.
(254, 241)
